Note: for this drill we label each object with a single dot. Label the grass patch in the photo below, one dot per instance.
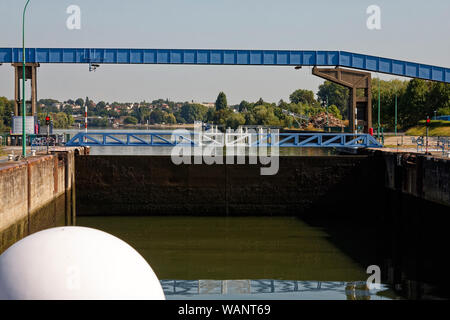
(437, 128)
(433, 132)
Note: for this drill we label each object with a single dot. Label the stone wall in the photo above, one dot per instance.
(35, 194)
(421, 176)
(153, 185)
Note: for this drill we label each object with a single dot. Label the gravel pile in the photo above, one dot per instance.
(320, 121)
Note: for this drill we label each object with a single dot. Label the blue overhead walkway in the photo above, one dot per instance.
(228, 57)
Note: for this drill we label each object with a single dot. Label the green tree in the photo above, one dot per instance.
(130, 120)
(169, 118)
(303, 96)
(100, 122)
(68, 109)
(48, 102)
(439, 97)
(260, 102)
(388, 90)
(221, 102)
(414, 103)
(335, 94)
(61, 120)
(6, 109)
(220, 116)
(264, 115)
(142, 114)
(100, 106)
(194, 112)
(79, 102)
(334, 110)
(157, 116)
(244, 106)
(234, 120)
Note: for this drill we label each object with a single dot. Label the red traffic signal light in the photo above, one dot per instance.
(428, 121)
(47, 120)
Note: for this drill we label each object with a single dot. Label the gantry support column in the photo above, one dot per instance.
(360, 109)
(30, 74)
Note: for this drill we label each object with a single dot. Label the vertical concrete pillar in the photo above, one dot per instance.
(353, 80)
(16, 91)
(30, 74)
(352, 110)
(33, 91)
(69, 187)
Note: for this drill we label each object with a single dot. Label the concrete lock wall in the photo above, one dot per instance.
(419, 175)
(36, 194)
(414, 217)
(398, 205)
(153, 185)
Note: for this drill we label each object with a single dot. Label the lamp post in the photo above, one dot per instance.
(379, 106)
(396, 113)
(24, 135)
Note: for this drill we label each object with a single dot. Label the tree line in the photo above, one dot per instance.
(416, 99)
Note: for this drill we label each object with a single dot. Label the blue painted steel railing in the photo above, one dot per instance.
(165, 139)
(228, 57)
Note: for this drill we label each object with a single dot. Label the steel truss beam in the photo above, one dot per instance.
(195, 139)
(228, 57)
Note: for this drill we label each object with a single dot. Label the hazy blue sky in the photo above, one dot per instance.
(414, 30)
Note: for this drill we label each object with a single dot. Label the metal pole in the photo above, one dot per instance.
(396, 114)
(85, 122)
(379, 105)
(48, 135)
(426, 147)
(24, 134)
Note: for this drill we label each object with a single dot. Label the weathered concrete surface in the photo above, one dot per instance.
(418, 175)
(153, 185)
(414, 213)
(35, 194)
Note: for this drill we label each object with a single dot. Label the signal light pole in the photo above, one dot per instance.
(428, 122)
(24, 134)
(47, 122)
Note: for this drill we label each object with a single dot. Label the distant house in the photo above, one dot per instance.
(57, 105)
(208, 104)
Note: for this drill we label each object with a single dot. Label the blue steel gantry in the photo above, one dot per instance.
(228, 57)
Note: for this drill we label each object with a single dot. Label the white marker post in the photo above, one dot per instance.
(85, 122)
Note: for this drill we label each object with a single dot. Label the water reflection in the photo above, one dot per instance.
(270, 289)
(194, 248)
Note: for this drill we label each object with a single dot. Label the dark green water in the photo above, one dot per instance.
(233, 248)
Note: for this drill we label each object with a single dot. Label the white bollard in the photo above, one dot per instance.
(76, 263)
